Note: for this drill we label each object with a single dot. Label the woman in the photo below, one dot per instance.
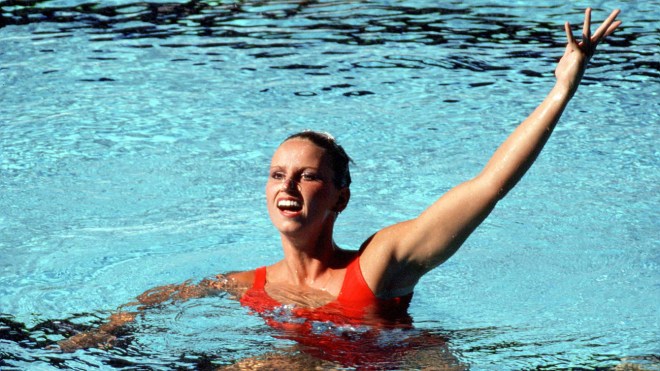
(307, 188)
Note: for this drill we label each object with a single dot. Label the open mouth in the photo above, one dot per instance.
(289, 205)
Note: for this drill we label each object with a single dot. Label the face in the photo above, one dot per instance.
(300, 191)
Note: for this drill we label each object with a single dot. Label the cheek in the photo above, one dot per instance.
(270, 195)
(270, 188)
(321, 196)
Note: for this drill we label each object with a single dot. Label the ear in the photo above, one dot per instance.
(344, 197)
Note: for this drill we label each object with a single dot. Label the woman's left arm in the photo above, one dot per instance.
(396, 257)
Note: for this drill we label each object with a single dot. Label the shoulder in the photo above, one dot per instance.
(237, 283)
(383, 262)
(381, 247)
(241, 279)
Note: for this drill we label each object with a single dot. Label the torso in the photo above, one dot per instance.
(354, 299)
(284, 292)
(345, 328)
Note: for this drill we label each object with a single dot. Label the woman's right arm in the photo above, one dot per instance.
(105, 335)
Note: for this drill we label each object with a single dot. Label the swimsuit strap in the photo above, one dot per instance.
(259, 278)
(354, 287)
(256, 297)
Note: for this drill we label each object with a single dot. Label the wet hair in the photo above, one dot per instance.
(339, 160)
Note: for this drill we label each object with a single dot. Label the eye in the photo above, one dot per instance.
(277, 175)
(309, 176)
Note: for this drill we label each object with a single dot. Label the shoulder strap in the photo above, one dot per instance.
(354, 287)
(259, 278)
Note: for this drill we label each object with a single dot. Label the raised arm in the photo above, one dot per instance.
(395, 258)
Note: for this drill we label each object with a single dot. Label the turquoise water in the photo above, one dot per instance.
(135, 140)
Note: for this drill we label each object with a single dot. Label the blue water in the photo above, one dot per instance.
(135, 140)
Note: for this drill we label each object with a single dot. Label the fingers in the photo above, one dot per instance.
(589, 41)
(612, 27)
(608, 26)
(586, 29)
(569, 34)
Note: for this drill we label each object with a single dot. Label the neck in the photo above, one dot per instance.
(308, 259)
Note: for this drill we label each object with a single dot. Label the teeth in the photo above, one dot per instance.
(288, 203)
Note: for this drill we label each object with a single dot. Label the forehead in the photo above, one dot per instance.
(299, 152)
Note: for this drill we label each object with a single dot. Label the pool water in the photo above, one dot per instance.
(135, 139)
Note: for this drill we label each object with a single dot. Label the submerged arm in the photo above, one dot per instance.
(105, 335)
(396, 257)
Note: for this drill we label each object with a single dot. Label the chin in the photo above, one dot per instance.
(287, 226)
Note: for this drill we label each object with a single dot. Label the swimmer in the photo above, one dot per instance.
(309, 186)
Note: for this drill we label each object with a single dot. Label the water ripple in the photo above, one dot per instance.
(296, 24)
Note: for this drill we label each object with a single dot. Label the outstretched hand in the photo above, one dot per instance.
(577, 54)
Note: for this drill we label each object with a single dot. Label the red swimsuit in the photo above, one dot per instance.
(354, 302)
(348, 330)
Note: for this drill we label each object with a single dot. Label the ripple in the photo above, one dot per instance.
(248, 26)
(135, 137)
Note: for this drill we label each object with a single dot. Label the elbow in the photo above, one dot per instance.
(491, 188)
(501, 192)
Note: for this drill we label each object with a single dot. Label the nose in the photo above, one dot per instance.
(288, 184)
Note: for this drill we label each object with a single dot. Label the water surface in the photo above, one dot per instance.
(135, 139)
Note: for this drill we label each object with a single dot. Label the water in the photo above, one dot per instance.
(135, 140)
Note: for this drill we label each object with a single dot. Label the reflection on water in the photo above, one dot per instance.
(225, 345)
(277, 29)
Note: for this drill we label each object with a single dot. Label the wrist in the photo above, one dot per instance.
(561, 92)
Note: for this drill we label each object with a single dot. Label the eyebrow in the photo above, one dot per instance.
(278, 167)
